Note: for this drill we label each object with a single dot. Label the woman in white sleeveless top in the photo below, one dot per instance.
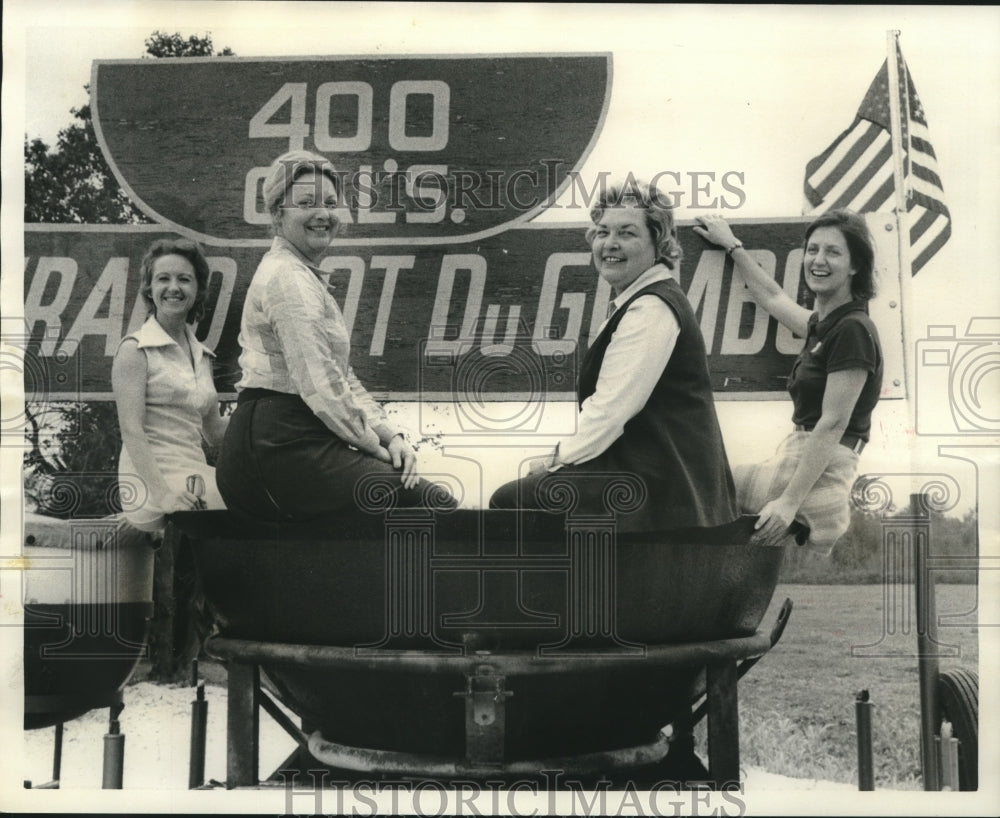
(165, 395)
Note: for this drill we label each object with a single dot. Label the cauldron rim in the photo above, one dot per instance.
(507, 661)
(224, 524)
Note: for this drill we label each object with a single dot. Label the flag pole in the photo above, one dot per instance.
(899, 157)
(896, 112)
(928, 755)
(896, 122)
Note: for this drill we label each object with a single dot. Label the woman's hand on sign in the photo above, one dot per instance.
(715, 229)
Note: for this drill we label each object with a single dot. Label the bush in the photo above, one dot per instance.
(860, 556)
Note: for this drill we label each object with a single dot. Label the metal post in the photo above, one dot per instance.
(242, 725)
(723, 724)
(114, 752)
(199, 722)
(928, 660)
(161, 627)
(863, 715)
(57, 757)
(56, 764)
(949, 759)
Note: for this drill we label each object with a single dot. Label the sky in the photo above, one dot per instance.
(758, 90)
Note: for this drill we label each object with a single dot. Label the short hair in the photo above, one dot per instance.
(659, 212)
(860, 245)
(287, 168)
(188, 249)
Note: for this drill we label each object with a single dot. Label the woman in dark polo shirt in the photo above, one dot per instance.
(646, 424)
(835, 382)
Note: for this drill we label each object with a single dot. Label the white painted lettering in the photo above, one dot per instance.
(602, 297)
(110, 287)
(440, 94)
(361, 139)
(787, 342)
(140, 311)
(295, 129)
(392, 265)
(367, 199)
(223, 268)
(426, 185)
(739, 295)
(490, 346)
(542, 340)
(49, 314)
(252, 214)
(349, 303)
(450, 265)
(706, 291)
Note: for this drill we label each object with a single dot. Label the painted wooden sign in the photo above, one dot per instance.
(451, 288)
(434, 149)
(508, 315)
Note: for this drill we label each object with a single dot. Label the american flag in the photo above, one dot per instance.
(855, 172)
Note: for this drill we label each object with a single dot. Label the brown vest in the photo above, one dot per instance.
(674, 444)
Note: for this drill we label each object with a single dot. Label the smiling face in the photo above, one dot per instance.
(828, 266)
(173, 287)
(622, 246)
(306, 216)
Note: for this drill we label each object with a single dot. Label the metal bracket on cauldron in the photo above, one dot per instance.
(485, 716)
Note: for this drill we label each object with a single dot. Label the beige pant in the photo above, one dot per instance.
(827, 507)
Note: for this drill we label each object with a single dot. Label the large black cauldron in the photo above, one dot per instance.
(88, 590)
(569, 616)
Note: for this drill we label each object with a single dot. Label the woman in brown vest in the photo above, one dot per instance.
(646, 420)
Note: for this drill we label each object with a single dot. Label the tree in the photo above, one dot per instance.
(173, 45)
(71, 466)
(860, 557)
(73, 183)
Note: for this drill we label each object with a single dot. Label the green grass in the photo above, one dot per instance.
(797, 705)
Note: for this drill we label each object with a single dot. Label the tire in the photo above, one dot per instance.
(958, 693)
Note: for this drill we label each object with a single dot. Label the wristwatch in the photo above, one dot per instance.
(732, 247)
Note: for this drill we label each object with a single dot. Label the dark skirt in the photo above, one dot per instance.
(280, 462)
(636, 502)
